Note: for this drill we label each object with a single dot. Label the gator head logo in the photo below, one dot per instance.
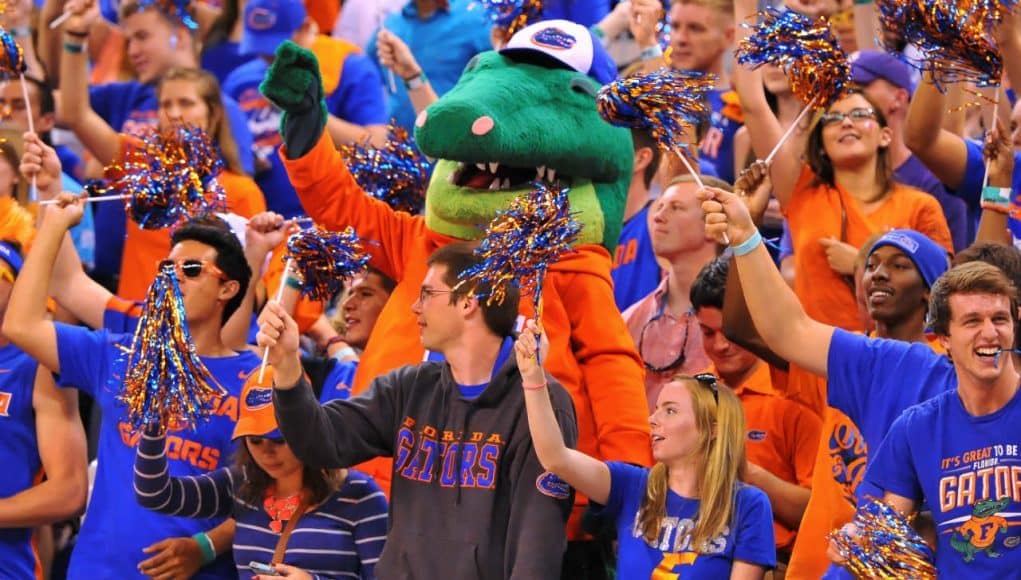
(554, 38)
(549, 484)
(261, 19)
(257, 398)
(979, 533)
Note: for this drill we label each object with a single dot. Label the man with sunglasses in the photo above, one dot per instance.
(662, 325)
(469, 498)
(118, 538)
(41, 430)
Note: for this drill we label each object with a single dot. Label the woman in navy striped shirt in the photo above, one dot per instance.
(308, 523)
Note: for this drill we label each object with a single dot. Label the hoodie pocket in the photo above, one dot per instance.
(433, 557)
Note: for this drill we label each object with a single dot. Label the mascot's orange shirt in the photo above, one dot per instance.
(591, 352)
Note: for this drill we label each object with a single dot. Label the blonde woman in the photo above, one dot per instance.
(689, 514)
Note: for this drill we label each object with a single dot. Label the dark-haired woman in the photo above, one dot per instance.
(303, 522)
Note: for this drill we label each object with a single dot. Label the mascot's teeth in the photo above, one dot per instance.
(540, 173)
(495, 186)
(430, 159)
(552, 174)
(450, 178)
(505, 184)
(481, 166)
(493, 166)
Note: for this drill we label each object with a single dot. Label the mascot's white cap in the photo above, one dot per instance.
(565, 42)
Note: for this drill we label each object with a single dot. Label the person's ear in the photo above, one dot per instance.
(45, 123)
(643, 157)
(228, 290)
(885, 137)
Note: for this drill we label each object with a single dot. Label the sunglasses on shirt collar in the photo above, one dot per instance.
(190, 267)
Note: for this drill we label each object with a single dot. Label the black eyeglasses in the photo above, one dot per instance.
(425, 293)
(708, 380)
(858, 115)
(190, 268)
(679, 361)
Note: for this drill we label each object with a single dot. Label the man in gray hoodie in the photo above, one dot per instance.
(469, 498)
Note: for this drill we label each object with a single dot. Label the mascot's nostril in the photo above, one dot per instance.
(483, 125)
(421, 119)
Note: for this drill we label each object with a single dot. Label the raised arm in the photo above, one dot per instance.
(395, 56)
(338, 434)
(776, 311)
(943, 152)
(204, 496)
(74, 110)
(71, 287)
(764, 128)
(586, 474)
(26, 323)
(1000, 155)
(62, 449)
(265, 231)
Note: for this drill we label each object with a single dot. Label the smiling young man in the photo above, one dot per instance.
(469, 498)
(961, 441)
(118, 537)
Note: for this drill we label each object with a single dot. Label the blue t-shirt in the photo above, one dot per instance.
(222, 58)
(128, 108)
(19, 454)
(357, 99)
(722, 129)
(635, 270)
(443, 44)
(968, 470)
(83, 235)
(584, 12)
(337, 384)
(869, 382)
(749, 538)
(115, 530)
(914, 173)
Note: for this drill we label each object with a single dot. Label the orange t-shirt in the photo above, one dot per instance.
(143, 249)
(839, 467)
(814, 213)
(782, 434)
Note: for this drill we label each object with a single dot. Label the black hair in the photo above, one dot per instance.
(230, 256)
(708, 288)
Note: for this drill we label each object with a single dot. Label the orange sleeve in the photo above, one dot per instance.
(929, 220)
(611, 370)
(803, 429)
(330, 195)
(243, 195)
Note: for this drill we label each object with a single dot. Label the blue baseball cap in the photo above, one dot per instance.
(930, 258)
(871, 65)
(566, 44)
(268, 23)
(11, 256)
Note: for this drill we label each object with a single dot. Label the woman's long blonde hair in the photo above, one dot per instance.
(219, 124)
(721, 448)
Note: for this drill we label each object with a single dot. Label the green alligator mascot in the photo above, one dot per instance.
(526, 113)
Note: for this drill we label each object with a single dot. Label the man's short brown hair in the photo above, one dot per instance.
(458, 257)
(969, 278)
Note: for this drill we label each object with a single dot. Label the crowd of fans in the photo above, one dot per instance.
(835, 325)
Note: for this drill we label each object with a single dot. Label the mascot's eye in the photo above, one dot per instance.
(583, 86)
(474, 62)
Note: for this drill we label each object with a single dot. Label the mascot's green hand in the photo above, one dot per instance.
(294, 85)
